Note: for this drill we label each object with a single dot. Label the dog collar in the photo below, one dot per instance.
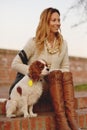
(30, 83)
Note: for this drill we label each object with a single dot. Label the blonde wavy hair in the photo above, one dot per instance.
(42, 30)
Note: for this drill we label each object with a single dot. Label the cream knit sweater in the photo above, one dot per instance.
(55, 61)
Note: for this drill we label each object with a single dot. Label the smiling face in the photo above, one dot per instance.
(54, 23)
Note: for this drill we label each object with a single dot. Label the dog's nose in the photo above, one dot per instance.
(47, 69)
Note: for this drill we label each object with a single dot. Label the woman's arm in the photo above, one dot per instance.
(65, 66)
(17, 63)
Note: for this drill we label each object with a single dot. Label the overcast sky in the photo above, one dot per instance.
(19, 19)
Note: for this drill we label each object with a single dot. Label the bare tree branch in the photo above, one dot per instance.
(79, 4)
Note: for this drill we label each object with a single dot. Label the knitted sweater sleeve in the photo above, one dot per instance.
(17, 63)
(65, 66)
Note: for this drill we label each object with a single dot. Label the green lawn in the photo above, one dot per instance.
(82, 87)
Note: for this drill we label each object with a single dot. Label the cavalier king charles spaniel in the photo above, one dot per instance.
(27, 91)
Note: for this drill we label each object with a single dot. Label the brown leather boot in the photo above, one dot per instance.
(68, 90)
(55, 85)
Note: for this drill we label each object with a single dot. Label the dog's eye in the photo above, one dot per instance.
(46, 65)
(41, 66)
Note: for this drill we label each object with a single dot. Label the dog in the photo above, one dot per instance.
(27, 91)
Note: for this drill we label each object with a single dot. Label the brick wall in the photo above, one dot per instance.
(7, 75)
(79, 69)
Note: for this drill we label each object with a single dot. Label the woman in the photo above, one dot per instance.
(49, 45)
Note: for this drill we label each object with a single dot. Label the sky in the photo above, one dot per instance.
(19, 20)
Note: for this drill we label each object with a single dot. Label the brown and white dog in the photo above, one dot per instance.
(27, 91)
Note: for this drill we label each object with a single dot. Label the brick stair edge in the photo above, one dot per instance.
(81, 114)
(37, 123)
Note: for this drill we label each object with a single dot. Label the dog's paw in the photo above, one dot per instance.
(26, 115)
(11, 115)
(33, 115)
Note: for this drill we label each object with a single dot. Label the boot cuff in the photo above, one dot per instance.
(56, 74)
(67, 76)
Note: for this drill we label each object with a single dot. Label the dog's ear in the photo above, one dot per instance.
(35, 76)
(40, 66)
(34, 71)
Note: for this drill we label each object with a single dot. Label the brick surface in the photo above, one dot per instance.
(24, 124)
(7, 125)
(82, 118)
(2, 107)
(49, 126)
(16, 124)
(44, 121)
(39, 123)
(1, 125)
(7, 75)
(82, 102)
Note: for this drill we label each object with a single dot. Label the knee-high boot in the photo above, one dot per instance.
(68, 90)
(55, 86)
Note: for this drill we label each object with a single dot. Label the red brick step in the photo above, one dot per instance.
(82, 118)
(80, 102)
(46, 118)
(44, 121)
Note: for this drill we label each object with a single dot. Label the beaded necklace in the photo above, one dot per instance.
(52, 49)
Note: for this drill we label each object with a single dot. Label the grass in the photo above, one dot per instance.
(82, 87)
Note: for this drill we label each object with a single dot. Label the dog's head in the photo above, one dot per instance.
(37, 69)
